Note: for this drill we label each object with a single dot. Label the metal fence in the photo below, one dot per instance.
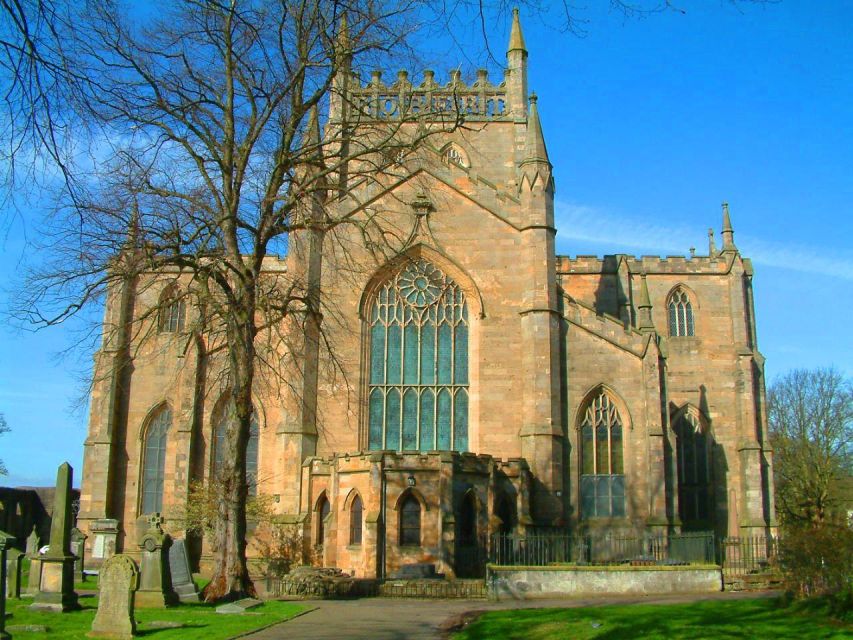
(746, 555)
(546, 548)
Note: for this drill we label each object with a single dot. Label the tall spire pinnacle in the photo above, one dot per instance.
(728, 233)
(312, 133)
(644, 305)
(535, 150)
(516, 39)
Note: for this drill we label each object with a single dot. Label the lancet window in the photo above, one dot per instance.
(154, 460)
(356, 513)
(602, 471)
(172, 312)
(410, 521)
(680, 314)
(418, 389)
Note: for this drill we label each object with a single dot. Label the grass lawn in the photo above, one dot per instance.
(764, 618)
(200, 620)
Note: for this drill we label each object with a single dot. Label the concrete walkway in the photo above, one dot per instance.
(404, 619)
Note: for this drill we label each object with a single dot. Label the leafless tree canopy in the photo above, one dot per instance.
(811, 426)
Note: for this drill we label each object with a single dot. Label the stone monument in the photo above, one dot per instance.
(155, 581)
(13, 573)
(56, 589)
(182, 577)
(78, 545)
(33, 543)
(118, 579)
(5, 543)
(105, 532)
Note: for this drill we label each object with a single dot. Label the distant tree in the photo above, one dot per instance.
(4, 428)
(811, 428)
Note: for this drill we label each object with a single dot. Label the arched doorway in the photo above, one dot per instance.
(470, 547)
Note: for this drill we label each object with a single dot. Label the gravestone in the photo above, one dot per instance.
(33, 543)
(56, 588)
(5, 544)
(105, 532)
(78, 544)
(117, 580)
(238, 606)
(155, 582)
(182, 577)
(14, 562)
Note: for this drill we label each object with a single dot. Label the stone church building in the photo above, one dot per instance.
(480, 382)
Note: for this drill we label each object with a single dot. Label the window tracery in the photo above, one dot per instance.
(418, 378)
(602, 470)
(680, 314)
(220, 426)
(172, 312)
(694, 479)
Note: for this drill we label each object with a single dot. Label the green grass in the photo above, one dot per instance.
(762, 618)
(201, 622)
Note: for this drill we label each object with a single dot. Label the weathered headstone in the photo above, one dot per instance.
(155, 582)
(182, 577)
(14, 564)
(105, 531)
(5, 543)
(118, 579)
(78, 543)
(34, 579)
(238, 606)
(56, 591)
(33, 542)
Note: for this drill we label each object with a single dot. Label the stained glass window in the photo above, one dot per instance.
(418, 388)
(602, 474)
(220, 426)
(694, 485)
(154, 460)
(680, 314)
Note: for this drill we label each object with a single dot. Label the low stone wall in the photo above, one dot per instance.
(533, 582)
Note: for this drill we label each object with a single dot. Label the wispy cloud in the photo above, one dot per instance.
(599, 226)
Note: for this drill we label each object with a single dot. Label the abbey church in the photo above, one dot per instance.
(479, 383)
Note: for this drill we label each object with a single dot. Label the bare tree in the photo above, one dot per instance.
(811, 426)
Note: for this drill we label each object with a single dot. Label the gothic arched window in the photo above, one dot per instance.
(680, 314)
(356, 512)
(694, 479)
(172, 311)
(410, 521)
(154, 460)
(602, 472)
(323, 509)
(221, 421)
(418, 389)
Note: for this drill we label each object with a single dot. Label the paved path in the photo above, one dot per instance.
(404, 619)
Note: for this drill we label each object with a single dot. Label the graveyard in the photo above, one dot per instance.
(45, 592)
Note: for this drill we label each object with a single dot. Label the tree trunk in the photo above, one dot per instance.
(230, 579)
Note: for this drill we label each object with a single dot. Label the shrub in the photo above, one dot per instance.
(818, 561)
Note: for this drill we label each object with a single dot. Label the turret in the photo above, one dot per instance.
(516, 58)
(342, 59)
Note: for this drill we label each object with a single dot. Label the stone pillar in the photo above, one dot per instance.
(56, 589)
(155, 584)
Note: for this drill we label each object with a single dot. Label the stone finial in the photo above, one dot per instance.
(644, 305)
(728, 233)
(516, 38)
(712, 246)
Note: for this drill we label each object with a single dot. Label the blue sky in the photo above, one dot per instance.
(650, 124)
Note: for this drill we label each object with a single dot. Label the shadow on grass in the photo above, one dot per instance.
(152, 632)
